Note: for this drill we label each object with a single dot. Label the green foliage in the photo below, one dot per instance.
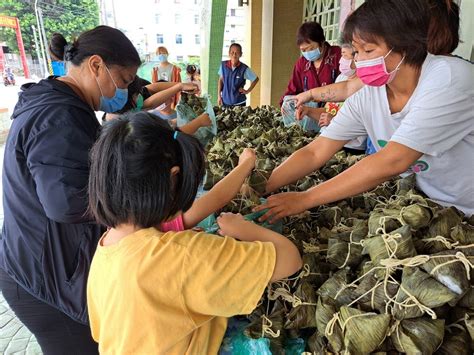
(68, 17)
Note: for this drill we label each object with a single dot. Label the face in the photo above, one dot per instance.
(162, 51)
(347, 53)
(309, 46)
(366, 51)
(107, 79)
(235, 53)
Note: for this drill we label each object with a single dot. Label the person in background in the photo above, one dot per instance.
(140, 271)
(233, 75)
(48, 239)
(56, 48)
(318, 65)
(192, 76)
(166, 71)
(417, 123)
(347, 71)
(442, 39)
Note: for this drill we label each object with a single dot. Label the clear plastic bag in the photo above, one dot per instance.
(186, 114)
(289, 115)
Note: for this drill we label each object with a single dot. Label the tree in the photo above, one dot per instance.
(68, 17)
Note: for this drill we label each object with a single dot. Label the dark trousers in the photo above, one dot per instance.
(56, 333)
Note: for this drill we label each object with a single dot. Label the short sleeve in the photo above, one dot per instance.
(219, 72)
(437, 121)
(225, 277)
(347, 124)
(250, 75)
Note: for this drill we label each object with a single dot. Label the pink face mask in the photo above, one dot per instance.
(345, 67)
(373, 72)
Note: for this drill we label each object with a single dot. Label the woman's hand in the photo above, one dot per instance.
(325, 119)
(301, 111)
(303, 98)
(243, 91)
(283, 205)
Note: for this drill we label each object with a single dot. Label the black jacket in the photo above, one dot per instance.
(47, 241)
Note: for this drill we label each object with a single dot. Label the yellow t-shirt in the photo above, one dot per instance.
(170, 293)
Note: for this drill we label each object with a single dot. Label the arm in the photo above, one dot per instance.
(331, 93)
(219, 90)
(252, 85)
(303, 162)
(59, 165)
(222, 193)
(371, 171)
(312, 112)
(288, 259)
(200, 121)
(163, 92)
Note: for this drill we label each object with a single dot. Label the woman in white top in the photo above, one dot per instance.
(418, 110)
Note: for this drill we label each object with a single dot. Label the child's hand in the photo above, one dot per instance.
(204, 120)
(229, 223)
(325, 119)
(248, 156)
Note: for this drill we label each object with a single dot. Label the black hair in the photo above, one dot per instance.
(191, 69)
(130, 176)
(56, 46)
(236, 45)
(137, 86)
(310, 31)
(443, 31)
(401, 24)
(109, 43)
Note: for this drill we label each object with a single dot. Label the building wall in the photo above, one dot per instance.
(466, 47)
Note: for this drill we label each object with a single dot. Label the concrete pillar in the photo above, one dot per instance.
(280, 21)
(212, 34)
(253, 46)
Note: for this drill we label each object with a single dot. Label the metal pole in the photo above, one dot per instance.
(45, 64)
(38, 53)
(45, 39)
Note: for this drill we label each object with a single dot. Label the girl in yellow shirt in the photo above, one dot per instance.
(155, 292)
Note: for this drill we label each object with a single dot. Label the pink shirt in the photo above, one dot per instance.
(175, 225)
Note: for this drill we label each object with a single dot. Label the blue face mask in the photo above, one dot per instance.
(163, 57)
(312, 55)
(115, 103)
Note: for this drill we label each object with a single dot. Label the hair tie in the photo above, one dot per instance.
(175, 135)
(69, 52)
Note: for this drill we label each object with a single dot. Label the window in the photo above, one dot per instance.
(177, 19)
(157, 19)
(232, 26)
(196, 2)
(179, 58)
(326, 13)
(196, 19)
(232, 12)
(179, 39)
(232, 41)
(197, 39)
(177, 1)
(159, 38)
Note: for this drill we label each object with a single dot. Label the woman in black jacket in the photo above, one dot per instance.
(48, 240)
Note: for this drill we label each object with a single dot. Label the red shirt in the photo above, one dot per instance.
(305, 76)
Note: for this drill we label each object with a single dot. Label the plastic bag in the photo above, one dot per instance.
(289, 115)
(236, 343)
(186, 114)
